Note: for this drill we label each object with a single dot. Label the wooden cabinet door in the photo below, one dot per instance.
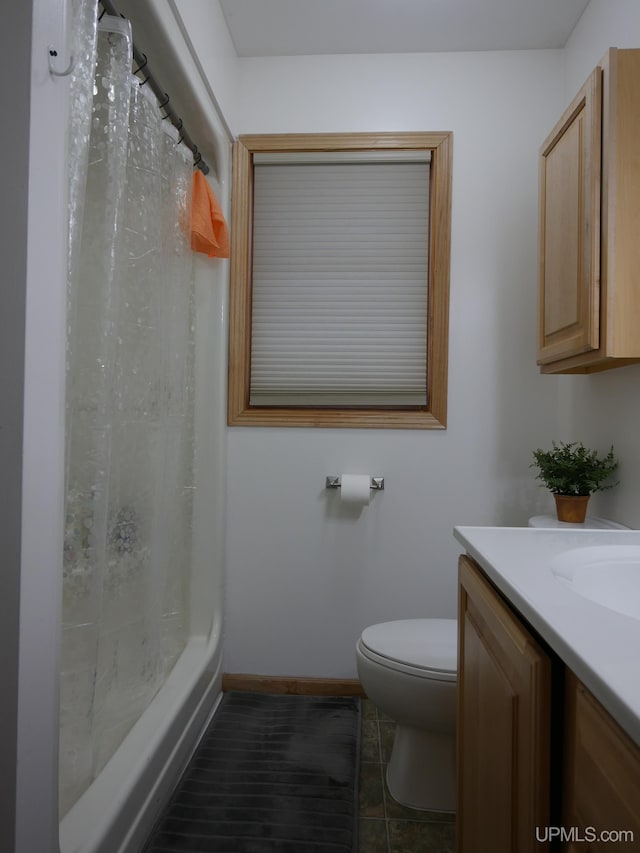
(570, 188)
(601, 777)
(503, 738)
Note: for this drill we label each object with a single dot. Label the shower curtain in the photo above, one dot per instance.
(129, 404)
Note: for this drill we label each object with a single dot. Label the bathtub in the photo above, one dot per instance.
(117, 812)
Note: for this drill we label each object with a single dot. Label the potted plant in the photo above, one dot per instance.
(572, 473)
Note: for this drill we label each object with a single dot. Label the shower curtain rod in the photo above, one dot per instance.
(161, 95)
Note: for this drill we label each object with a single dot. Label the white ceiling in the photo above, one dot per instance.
(307, 27)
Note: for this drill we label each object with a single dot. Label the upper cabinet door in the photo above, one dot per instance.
(570, 193)
(589, 312)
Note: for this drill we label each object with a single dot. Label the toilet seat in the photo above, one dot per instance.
(424, 648)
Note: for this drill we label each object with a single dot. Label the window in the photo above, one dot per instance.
(340, 280)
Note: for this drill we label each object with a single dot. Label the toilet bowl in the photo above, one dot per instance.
(408, 670)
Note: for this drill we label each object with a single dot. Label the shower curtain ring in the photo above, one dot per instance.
(52, 55)
(163, 104)
(142, 64)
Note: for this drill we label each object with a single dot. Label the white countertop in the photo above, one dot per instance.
(600, 645)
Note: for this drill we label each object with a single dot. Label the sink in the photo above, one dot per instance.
(608, 575)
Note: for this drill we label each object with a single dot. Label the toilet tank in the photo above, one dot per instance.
(591, 522)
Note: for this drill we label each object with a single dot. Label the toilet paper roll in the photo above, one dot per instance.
(355, 489)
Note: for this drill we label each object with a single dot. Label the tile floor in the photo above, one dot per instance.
(385, 825)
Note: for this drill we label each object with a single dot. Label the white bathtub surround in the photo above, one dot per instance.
(130, 478)
(598, 643)
(141, 651)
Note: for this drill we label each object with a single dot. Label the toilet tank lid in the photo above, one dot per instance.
(425, 643)
(591, 522)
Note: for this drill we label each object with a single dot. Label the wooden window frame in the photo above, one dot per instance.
(431, 416)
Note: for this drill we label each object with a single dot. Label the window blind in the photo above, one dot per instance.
(339, 302)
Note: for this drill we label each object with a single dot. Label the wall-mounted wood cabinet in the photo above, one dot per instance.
(589, 304)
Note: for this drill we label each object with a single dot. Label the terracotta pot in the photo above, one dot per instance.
(571, 508)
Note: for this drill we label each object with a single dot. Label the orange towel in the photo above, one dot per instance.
(209, 232)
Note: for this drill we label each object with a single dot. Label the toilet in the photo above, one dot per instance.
(408, 670)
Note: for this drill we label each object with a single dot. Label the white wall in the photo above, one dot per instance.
(31, 420)
(205, 29)
(604, 24)
(15, 65)
(304, 576)
(604, 409)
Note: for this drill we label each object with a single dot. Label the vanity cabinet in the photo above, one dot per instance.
(601, 770)
(589, 260)
(541, 764)
(503, 742)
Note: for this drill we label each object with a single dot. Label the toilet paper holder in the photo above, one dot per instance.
(333, 482)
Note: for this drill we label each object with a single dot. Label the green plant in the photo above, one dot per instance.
(573, 469)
